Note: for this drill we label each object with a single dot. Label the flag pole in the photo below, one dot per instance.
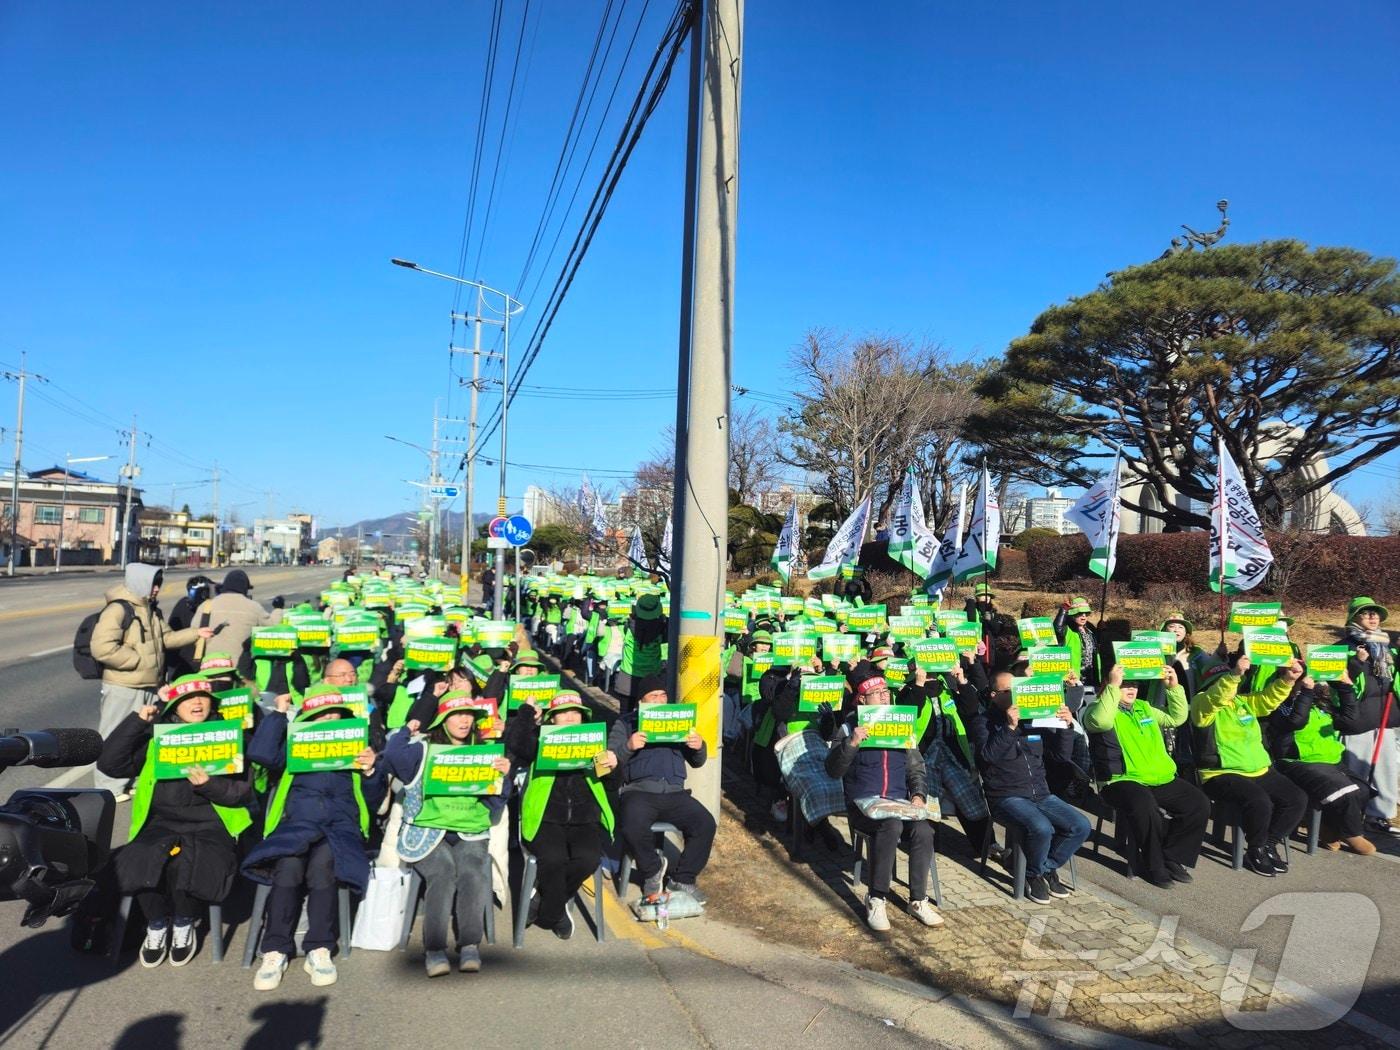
(1224, 536)
(1112, 535)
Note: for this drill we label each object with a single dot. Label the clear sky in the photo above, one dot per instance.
(198, 204)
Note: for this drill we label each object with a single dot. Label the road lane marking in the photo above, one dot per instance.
(70, 776)
(50, 652)
(95, 603)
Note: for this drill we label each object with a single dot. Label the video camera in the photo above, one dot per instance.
(52, 840)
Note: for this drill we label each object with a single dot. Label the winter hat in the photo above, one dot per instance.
(455, 701)
(863, 672)
(882, 652)
(1176, 617)
(648, 607)
(321, 698)
(185, 687)
(650, 684)
(236, 582)
(1079, 605)
(526, 658)
(565, 701)
(218, 665)
(982, 590)
(1213, 672)
(141, 579)
(1357, 606)
(762, 636)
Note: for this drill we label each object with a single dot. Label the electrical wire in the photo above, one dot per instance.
(501, 142)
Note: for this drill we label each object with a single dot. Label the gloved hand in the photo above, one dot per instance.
(826, 721)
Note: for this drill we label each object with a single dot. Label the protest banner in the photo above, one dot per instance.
(967, 637)
(215, 747)
(319, 747)
(464, 770)
(563, 749)
(818, 689)
(495, 634)
(666, 723)
(1036, 630)
(736, 621)
(273, 641)
(907, 627)
(429, 654)
(1327, 663)
(355, 636)
(936, 655)
(888, 725)
(236, 705)
(1267, 646)
(1141, 661)
(313, 634)
(1254, 614)
(865, 618)
(793, 647)
(1038, 696)
(1052, 660)
(1165, 640)
(949, 618)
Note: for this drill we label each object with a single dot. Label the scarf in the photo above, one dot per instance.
(1377, 644)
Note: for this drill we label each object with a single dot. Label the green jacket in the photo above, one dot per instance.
(1226, 725)
(1128, 744)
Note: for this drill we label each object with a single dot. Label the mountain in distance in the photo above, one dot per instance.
(397, 528)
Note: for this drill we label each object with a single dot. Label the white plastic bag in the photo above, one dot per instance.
(379, 922)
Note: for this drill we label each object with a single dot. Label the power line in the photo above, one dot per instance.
(488, 75)
(501, 142)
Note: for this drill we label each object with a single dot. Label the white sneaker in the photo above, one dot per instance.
(121, 796)
(320, 966)
(876, 917)
(926, 913)
(779, 811)
(269, 975)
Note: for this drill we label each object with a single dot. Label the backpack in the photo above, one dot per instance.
(83, 661)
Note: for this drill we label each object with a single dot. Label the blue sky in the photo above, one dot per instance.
(198, 205)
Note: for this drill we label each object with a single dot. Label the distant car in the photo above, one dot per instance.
(400, 570)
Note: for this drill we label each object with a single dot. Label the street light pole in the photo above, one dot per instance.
(68, 461)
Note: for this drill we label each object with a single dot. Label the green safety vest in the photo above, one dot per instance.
(639, 660)
(279, 802)
(590, 633)
(464, 814)
(1318, 740)
(1145, 758)
(398, 707)
(950, 710)
(236, 819)
(536, 797)
(1240, 742)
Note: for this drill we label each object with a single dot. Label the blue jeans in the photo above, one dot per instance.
(1051, 830)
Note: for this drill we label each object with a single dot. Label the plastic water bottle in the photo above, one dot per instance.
(663, 911)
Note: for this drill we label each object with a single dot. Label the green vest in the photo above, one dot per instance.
(1145, 758)
(553, 614)
(950, 710)
(279, 802)
(1239, 741)
(464, 814)
(1318, 741)
(536, 797)
(750, 688)
(398, 708)
(236, 819)
(590, 633)
(639, 660)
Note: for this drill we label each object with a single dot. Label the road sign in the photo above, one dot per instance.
(497, 528)
(499, 543)
(444, 491)
(518, 530)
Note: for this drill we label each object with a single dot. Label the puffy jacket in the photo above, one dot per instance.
(876, 772)
(1012, 761)
(134, 659)
(232, 617)
(656, 767)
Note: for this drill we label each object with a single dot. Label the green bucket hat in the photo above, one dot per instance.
(526, 658)
(1079, 605)
(322, 697)
(185, 687)
(1359, 605)
(456, 701)
(648, 607)
(566, 700)
(762, 636)
(982, 590)
(218, 665)
(1176, 617)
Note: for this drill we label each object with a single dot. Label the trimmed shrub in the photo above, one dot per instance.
(1026, 537)
(1054, 559)
(1012, 566)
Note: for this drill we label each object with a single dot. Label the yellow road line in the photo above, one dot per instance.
(623, 924)
(93, 603)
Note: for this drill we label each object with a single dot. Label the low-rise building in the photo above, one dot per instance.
(61, 507)
(176, 538)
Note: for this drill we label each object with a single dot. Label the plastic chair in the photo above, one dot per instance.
(1314, 828)
(216, 930)
(660, 830)
(527, 889)
(1224, 814)
(259, 915)
(410, 911)
(1123, 841)
(1018, 860)
(864, 851)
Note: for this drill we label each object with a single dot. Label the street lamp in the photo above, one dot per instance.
(511, 307)
(433, 479)
(68, 462)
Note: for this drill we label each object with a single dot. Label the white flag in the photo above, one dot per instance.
(941, 572)
(1099, 514)
(844, 548)
(585, 497)
(978, 553)
(786, 548)
(637, 553)
(663, 556)
(911, 543)
(598, 527)
(1246, 557)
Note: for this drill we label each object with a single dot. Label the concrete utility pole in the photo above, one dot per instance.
(701, 502)
(130, 470)
(21, 376)
(214, 550)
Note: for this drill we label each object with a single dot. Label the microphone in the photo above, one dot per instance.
(49, 748)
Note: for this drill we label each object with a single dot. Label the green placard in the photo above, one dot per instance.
(818, 689)
(967, 637)
(377, 600)
(1165, 640)
(823, 626)
(314, 635)
(336, 599)
(318, 747)
(791, 605)
(920, 599)
(1038, 696)
(909, 627)
(1254, 614)
(936, 655)
(736, 621)
(427, 627)
(865, 619)
(354, 637)
(1036, 630)
(896, 675)
(215, 747)
(889, 725)
(236, 705)
(761, 662)
(274, 641)
(1267, 646)
(793, 647)
(429, 654)
(457, 614)
(1327, 663)
(464, 770)
(537, 690)
(923, 612)
(566, 748)
(1141, 662)
(355, 697)
(840, 648)
(665, 723)
(949, 618)
(1052, 659)
(494, 634)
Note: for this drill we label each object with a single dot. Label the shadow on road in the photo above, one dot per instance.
(163, 1030)
(287, 1026)
(43, 966)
